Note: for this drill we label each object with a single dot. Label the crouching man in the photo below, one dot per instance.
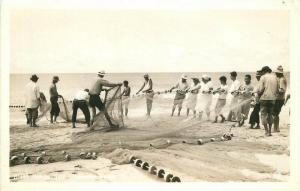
(80, 101)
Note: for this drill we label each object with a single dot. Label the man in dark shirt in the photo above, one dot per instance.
(53, 99)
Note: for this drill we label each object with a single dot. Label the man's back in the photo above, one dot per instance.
(268, 87)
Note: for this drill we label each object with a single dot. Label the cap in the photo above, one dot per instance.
(183, 76)
(279, 70)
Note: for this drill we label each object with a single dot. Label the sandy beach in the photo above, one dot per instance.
(249, 156)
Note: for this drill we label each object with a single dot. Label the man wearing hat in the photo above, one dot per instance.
(95, 100)
(182, 88)
(147, 88)
(254, 116)
(267, 91)
(191, 100)
(55, 110)
(280, 96)
(32, 96)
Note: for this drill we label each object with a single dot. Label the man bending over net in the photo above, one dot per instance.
(95, 100)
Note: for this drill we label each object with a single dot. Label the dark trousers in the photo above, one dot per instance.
(82, 105)
(254, 117)
(277, 109)
(31, 115)
(54, 106)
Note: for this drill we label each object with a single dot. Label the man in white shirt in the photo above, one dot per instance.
(80, 101)
(32, 100)
(233, 90)
(221, 102)
(182, 88)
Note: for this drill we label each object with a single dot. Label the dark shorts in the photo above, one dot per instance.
(277, 107)
(95, 101)
(55, 110)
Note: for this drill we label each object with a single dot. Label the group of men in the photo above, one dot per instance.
(267, 98)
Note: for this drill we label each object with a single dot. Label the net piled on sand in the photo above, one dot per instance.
(113, 106)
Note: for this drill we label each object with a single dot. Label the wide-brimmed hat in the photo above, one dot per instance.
(101, 73)
(279, 70)
(56, 78)
(183, 76)
(146, 75)
(205, 77)
(34, 77)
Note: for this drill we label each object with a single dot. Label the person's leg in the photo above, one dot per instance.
(223, 103)
(179, 107)
(86, 112)
(52, 109)
(29, 111)
(174, 107)
(258, 118)
(200, 115)
(187, 111)
(217, 110)
(264, 115)
(253, 117)
(194, 113)
(74, 114)
(27, 117)
(34, 116)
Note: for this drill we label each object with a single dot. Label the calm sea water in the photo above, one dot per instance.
(70, 83)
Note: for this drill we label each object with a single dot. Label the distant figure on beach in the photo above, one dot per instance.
(254, 117)
(147, 88)
(54, 100)
(244, 100)
(280, 100)
(80, 101)
(126, 96)
(221, 102)
(205, 97)
(182, 88)
(95, 100)
(191, 100)
(232, 115)
(32, 96)
(268, 90)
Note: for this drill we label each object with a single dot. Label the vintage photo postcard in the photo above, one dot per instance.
(179, 95)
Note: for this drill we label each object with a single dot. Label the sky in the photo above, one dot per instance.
(80, 41)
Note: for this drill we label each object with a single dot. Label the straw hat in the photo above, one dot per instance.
(279, 70)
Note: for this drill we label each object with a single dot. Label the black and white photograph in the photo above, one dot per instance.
(168, 95)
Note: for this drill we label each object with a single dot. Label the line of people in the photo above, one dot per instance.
(268, 98)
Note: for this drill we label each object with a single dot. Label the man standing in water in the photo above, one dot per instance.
(147, 88)
(233, 91)
(182, 88)
(54, 99)
(280, 97)
(268, 90)
(32, 100)
(95, 100)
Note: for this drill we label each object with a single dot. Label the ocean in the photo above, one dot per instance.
(69, 84)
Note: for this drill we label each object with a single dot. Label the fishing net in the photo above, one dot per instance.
(113, 107)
